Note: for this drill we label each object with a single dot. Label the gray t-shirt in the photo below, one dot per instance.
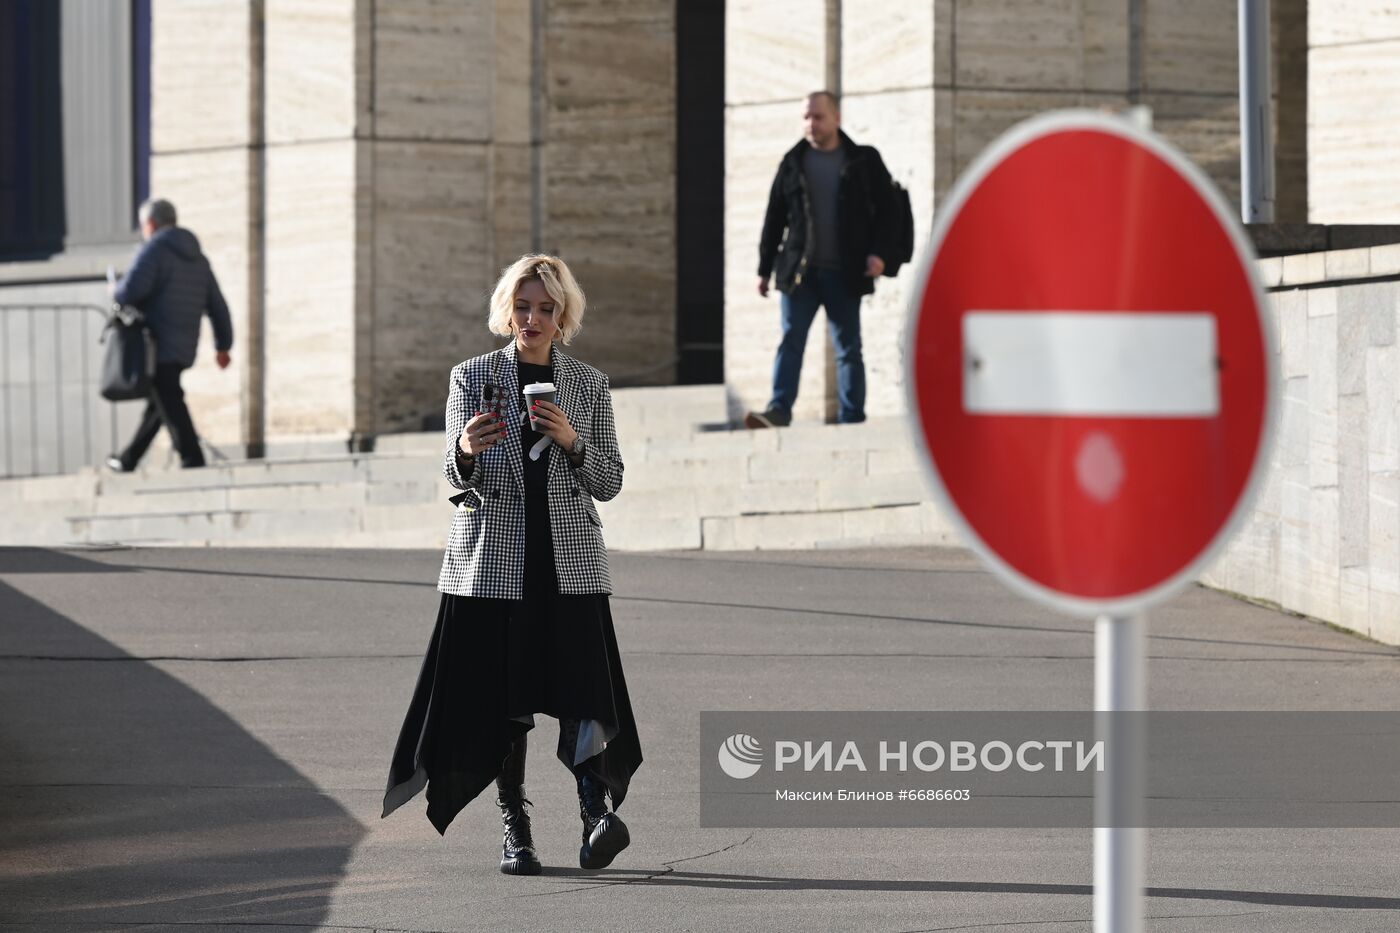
(823, 173)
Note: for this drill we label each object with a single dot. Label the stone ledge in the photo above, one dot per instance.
(80, 264)
(1351, 265)
(1272, 240)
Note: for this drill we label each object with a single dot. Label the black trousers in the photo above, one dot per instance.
(166, 407)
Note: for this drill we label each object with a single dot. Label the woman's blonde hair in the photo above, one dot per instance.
(557, 280)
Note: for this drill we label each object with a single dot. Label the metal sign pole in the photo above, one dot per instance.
(1120, 668)
(1256, 115)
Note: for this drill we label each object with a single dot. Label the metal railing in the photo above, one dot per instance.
(52, 419)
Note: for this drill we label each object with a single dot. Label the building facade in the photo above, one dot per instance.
(360, 170)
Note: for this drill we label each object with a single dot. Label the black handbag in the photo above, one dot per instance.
(130, 359)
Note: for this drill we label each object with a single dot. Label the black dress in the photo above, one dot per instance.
(494, 663)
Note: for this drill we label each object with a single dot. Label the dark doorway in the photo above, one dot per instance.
(141, 100)
(32, 212)
(700, 191)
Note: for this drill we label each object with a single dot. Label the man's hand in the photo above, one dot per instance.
(763, 286)
(874, 265)
(223, 359)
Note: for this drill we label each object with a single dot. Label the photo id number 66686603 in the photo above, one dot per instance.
(937, 795)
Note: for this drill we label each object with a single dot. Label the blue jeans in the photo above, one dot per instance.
(821, 288)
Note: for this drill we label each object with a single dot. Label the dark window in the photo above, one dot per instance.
(141, 99)
(700, 190)
(31, 130)
(74, 123)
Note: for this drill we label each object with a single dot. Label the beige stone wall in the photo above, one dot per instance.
(1083, 53)
(931, 84)
(1353, 111)
(430, 244)
(1324, 536)
(891, 101)
(313, 181)
(471, 168)
(1290, 61)
(774, 55)
(232, 141)
(513, 135)
(203, 127)
(406, 152)
(609, 176)
(311, 299)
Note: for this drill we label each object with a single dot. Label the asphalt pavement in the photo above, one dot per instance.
(202, 737)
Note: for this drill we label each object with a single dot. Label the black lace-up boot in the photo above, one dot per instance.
(604, 833)
(517, 846)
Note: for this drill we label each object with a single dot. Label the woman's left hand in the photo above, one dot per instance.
(549, 419)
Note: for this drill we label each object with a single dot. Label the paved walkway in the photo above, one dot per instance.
(202, 737)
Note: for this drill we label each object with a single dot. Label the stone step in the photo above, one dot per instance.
(408, 457)
(48, 488)
(665, 411)
(421, 525)
(39, 523)
(638, 531)
(391, 515)
(806, 485)
(921, 524)
(707, 400)
(156, 502)
(695, 445)
(876, 434)
(712, 498)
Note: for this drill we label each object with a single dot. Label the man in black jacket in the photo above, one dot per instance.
(173, 285)
(826, 231)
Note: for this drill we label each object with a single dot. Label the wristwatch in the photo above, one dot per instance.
(576, 448)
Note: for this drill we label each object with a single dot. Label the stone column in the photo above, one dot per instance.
(608, 185)
(430, 141)
(892, 100)
(1353, 111)
(930, 85)
(515, 133)
(775, 54)
(205, 126)
(316, 298)
(360, 171)
(1290, 60)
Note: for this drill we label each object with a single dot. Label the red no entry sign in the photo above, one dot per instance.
(1090, 363)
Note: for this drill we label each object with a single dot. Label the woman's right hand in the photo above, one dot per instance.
(481, 433)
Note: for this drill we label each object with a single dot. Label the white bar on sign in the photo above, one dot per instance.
(1097, 363)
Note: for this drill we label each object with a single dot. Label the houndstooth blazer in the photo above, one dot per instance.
(486, 547)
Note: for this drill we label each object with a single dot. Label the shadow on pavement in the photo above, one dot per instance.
(128, 798)
(700, 879)
(1081, 631)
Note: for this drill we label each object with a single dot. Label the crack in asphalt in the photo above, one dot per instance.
(643, 876)
(318, 791)
(933, 655)
(1083, 632)
(1018, 923)
(263, 925)
(997, 656)
(211, 659)
(980, 571)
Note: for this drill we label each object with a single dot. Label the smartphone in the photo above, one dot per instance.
(493, 401)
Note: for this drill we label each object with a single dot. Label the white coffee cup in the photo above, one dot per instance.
(534, 392)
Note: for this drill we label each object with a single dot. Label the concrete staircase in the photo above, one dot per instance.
(686, 486)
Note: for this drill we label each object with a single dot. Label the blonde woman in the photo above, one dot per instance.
(524, 625)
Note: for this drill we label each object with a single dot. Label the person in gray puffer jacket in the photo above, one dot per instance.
(172, 283)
